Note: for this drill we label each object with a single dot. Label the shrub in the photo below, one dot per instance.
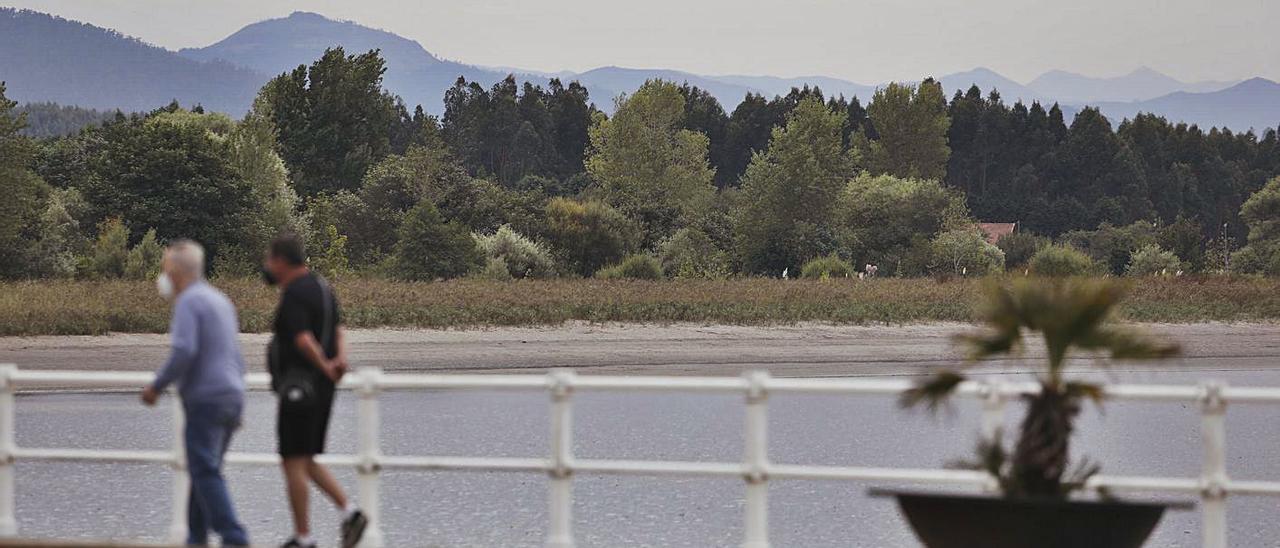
(634, 267)
(588, 235)
(830, 266)
(495, 269)
(966, 252)
(1019, 247)
(1151, 261)
(431, 248)
(1062, 260)
(143, 261)
(523, 258)
(690, 253)
(332, 260)
(111, 251)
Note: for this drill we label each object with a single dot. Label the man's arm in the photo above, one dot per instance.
(184, 347)
(341, 342)
(314, 354)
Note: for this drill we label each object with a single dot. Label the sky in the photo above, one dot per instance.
(864, 41)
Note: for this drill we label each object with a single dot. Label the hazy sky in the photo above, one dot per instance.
(866, 41)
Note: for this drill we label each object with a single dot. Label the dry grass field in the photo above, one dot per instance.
(89, 308)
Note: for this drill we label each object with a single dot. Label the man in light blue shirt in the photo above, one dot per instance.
(206, 366)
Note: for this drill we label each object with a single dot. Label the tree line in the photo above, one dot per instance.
(521, 180)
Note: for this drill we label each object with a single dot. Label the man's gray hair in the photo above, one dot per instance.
(187, 256)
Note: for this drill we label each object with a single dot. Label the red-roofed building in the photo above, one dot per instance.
(995, 231)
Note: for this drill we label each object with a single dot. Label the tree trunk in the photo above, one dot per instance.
(1043, 450)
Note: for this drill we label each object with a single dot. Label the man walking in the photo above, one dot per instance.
(308, 358)
(206, 365)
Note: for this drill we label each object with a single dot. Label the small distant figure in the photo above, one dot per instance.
(862, 275)
(871, 270)
(1177, 274)
(206, 365)
(785, 271)
(964, 271)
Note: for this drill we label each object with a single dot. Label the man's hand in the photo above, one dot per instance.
(149, 396)
(334, 370)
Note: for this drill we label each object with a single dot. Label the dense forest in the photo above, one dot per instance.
(519, 180)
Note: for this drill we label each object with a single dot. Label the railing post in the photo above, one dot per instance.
(1213, 478)
(560, 501)
(8, 442)
(369, 416)
(993, 407)
(756, 462)
(181, 481)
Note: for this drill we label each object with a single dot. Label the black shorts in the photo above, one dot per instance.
(302, 434)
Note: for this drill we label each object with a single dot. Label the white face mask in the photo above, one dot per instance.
(164, 285)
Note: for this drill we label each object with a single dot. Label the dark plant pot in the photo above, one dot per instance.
(974, 521)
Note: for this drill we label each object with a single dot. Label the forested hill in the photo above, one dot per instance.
(48, 58)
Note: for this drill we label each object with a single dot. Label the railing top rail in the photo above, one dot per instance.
(27, 378)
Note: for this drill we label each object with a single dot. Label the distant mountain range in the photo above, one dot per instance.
(47, 58)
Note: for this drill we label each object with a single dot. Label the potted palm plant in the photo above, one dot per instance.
(1036, 478)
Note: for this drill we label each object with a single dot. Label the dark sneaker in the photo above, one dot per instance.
(295, 543)
(353, 529)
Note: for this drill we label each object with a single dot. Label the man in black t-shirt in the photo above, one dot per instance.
(309, 358)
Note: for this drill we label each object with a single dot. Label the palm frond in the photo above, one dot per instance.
(1127, 344)
(1081, 390)
(1078, 475)
(932, 392)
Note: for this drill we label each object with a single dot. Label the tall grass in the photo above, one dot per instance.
(90, 308)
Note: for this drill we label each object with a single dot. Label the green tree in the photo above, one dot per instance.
(911, 125)
(1062, 261)
(634, 267)
(332, 260)
(143, 262)
(110, 252)
(1020, 246)
(646, 166)
(522, 257)
(172, 174)
(785, 215)
(60, 243)
(692, 253)
(1261, 253)
(24, 193)
(430, 247)
(586, 236)
(888, 221)
(275, 206)
(965, 252)
(831, 266)
(333, 119)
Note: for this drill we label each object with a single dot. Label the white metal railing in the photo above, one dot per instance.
(560, 465)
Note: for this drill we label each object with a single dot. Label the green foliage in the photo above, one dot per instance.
(1070, 315)
(275, 206)
(586, 236)
(510, 133)
(430, 248)
(888, 221)
(911, 123)
(172, 174)
(691, 253)
(524, 258)
(45, 119)
(59, 244)
(787, 192)
(333, 119)
(634, 267)
(1151, 260)
(966, 252)
(1061, 261)
(1262, 214)
(143, 262)
(646, 165)
(332, 260)
(1112, 246)
(110, 253)
(827, 267)
(1019, 247)
(24, 193)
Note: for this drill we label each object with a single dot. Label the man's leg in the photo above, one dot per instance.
(207, 439)
(197, 527)
(327, 483)
(296, 483)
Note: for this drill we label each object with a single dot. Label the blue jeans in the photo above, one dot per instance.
(207, 435)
